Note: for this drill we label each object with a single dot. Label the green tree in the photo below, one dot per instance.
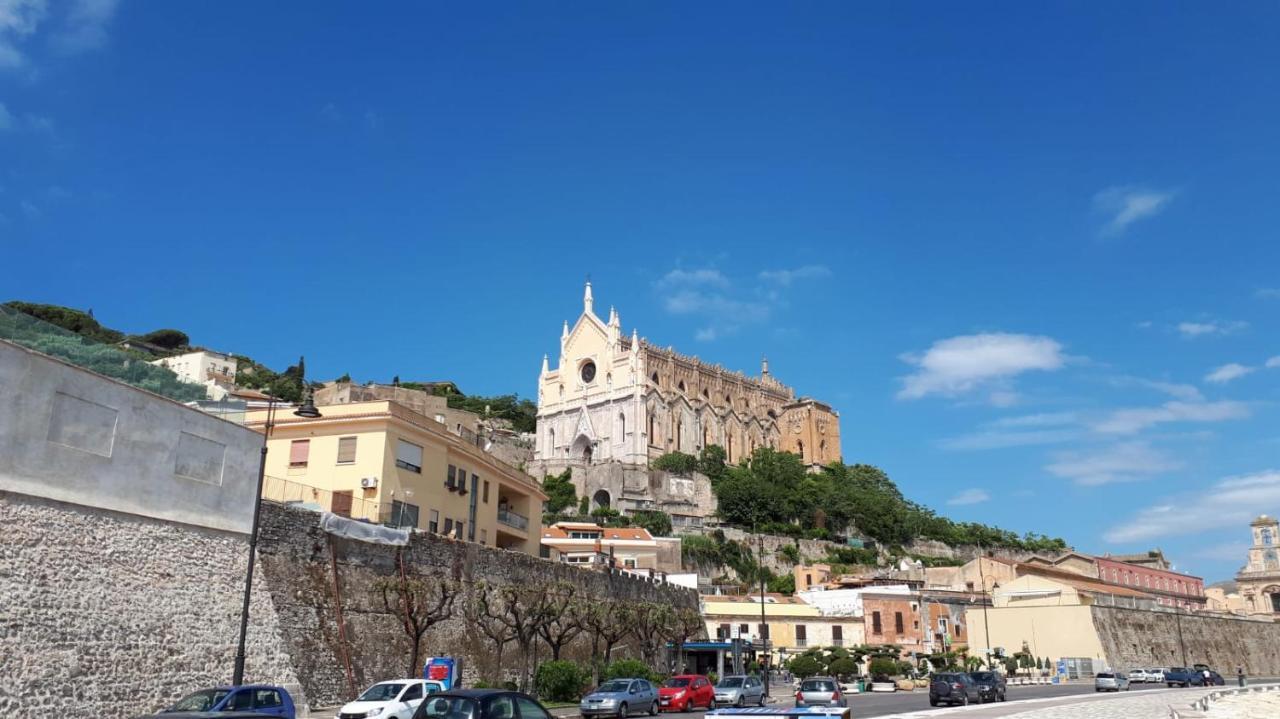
(584, 507)
(628, 668)
(72, 320)
(676, 463)
(167, 338)
(805, 666)
(658, 523)
(561, 494)
(843, 668)
(783, 584)
(711, 462)
(560, 681)
(883, 667)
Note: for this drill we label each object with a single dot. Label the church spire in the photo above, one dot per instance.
(764, 366)
(587, 299)
(545, 366)
(564, 334)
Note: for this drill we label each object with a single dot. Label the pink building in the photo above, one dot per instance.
(1170, 588)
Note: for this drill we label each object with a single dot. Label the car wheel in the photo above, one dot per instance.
(761, 700)
(964, 699)
(1002, 695)
(741, 702)
(653, 708)
(933, 702)
(622, 710)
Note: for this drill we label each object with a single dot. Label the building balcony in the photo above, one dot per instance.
(513, 519)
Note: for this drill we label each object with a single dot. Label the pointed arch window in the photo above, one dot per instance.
(622, 426)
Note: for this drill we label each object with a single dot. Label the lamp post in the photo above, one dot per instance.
(986, 599)
(764, 624)
(309, 411)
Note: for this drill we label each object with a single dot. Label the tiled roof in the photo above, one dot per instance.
(1082, 583)
(557, 531)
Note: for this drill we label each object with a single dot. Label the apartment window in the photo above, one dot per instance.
(484, 536)
(875, 623)
(451, 478)
(629, 563)
(346, 450)
(764, 631)
(956, 628)
(460, 526)
(434, 525)
(897, 622)
(448, 526)
(403, 514)
(802, 635)
(942, 624)
(744, 630)
(408, 456)
(299, 450)
(837, 634)
(722, 632)
(340, 504)
(486, 491)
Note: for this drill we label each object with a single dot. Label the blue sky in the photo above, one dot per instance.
(1029, 253)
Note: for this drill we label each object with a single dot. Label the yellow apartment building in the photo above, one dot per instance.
(386, 463)
(790, 624)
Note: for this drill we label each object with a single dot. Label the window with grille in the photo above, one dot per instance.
(346, 450)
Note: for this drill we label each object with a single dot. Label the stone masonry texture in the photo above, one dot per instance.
(109, 614)
(298, 558)
(104, 614)
(1134, 638)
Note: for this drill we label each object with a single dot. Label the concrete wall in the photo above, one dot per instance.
(1054, 632)
(75, 436)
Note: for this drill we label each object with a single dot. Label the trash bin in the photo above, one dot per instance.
(862, 686)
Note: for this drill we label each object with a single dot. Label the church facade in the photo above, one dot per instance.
(1259, 581)
(618, 398)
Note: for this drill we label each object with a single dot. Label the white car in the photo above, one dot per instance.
(395, 699)
(1139, 676)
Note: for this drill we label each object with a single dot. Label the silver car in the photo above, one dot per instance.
(620, 698)
(820, 692)
(1110, 682)
(740, 690)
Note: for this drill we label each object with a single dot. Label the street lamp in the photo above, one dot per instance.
(308, 411)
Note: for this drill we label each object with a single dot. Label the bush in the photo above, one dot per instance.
(883, 667)
(676, 463)
(560, 681)
(658, 523)
(629, 669)
(805, 666)
(844, 667)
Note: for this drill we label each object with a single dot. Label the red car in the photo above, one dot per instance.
(685, 692)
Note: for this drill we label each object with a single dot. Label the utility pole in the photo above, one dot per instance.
(764, 625)
(986, 599)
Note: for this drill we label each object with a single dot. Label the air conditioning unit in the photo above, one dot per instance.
(369, 482)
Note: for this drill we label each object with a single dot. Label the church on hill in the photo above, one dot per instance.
(614, 398)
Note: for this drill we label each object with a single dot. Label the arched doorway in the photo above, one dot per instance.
(600, 499)
(582, 448)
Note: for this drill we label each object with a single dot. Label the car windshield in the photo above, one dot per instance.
(729, 682)
(614, 687)
(1106, 676)
(946, 677)
(443, 706)
(984, 676)
(817, 685)
(201, 701)
(381, 693)
(676, 683)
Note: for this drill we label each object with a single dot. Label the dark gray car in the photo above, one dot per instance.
(954, 688)
(820, 692)
(740, 690)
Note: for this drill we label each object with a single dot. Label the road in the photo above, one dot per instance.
(890, 703)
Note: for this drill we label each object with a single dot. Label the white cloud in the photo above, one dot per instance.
(1231, 502)
(1185, 392)
(85, 27)
(1124, 206)
(1225, 552)
(786, 277)
(962, 364)
(969, 496)
(1044, 419)
(707, 277)
(1273, 363)
(1209, 328)
(1267, 293)
(1135, 419)
(724, 307)
(1125, 462)
(1228, 372)
(18, 21)
(996, 439)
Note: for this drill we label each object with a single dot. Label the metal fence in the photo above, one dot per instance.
(316, 499)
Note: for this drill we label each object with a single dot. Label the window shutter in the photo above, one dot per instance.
(410, 454)
(299, 450)
(346, 450)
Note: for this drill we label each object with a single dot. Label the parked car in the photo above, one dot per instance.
(262, 700)
(953, 688)
(1156, 675)
(684, 692)
(1183, 677)
(820, 692)
(620, 698)
(394, 699)
(1145, 676)
(991, 684)
(1110, 682)
(739, 690)
(480, 704)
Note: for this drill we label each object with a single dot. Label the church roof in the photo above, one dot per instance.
(1263, 521)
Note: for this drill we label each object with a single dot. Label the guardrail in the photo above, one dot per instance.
(513, 519)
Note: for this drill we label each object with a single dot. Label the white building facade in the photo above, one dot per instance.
(214, 370)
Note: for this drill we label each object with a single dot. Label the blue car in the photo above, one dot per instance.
(250, 700)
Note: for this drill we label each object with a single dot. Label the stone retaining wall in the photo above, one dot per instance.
(1136, 638)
